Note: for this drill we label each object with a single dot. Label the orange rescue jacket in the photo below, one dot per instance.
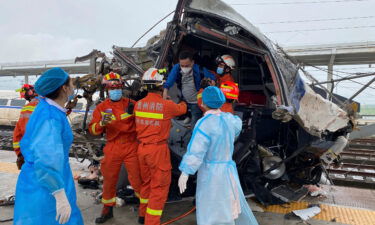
(20, 128)
(199, 99)
(225, 77)
(227, 107)
(122, 127)
(153, 118)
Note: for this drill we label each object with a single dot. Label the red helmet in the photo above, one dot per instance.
(112, 80)
(230, 90)
(27, 92)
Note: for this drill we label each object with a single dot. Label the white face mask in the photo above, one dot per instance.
(186, 70)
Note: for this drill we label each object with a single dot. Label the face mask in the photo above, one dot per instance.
(220, 70)
(115, 95)
(186, 70)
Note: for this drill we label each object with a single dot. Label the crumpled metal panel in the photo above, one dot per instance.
(314, 112)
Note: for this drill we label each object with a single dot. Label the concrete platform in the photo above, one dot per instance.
(127, 214)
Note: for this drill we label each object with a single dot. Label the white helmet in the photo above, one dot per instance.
(227, 60)
(152, 76)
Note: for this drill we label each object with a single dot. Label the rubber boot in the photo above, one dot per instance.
(107, 213)
(141, 220)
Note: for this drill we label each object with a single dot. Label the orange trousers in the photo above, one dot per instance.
(155, 166)
(115, 154)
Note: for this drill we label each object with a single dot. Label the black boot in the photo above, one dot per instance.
(141, 220)
(107, 213)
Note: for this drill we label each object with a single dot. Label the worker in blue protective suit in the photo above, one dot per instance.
(45, 188)
(219, 196)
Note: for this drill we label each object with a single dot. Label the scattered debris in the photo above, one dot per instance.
(254, 206)
(308, 213)
(288, 194)
(315, 191)
(7, 201)
(119, 202)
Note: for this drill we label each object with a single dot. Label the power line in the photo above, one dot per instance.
(321, 29)
(326, 70)
(318, 20)
(339, 71)
(298, 2)
(352, 68)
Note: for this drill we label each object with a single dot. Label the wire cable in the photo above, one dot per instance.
(320, 29)
(299, 2)
(318, 20)
(157, 23)
(180, 217)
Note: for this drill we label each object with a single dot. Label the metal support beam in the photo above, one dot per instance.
(360, 90)
(330, 73)
(26, 79)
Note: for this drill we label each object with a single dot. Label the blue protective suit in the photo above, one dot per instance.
(219, 196)
(45, 147)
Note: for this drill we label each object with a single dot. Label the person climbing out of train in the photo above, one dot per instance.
(231, 92)
(45, 187)
(27, 92)
(188, 75)
(115, 118)
(225, 66)
(219, 195)
(153, 123)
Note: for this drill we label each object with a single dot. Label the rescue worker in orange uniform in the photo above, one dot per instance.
(27, 92)
(231, 92)
(225, 66)
(115, 118)
(153, 123)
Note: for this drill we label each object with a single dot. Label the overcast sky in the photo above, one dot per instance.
(56, 29)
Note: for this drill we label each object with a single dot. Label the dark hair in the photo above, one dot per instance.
(55, 94)
(185, 55)
(205, 82)
(154, 88)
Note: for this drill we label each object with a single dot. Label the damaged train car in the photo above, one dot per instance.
(289, 132)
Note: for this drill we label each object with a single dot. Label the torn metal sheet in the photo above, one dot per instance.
(316, 113)
(308, 213)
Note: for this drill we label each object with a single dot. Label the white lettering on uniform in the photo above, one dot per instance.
(152, 106)
(159, 107)
(145, 106)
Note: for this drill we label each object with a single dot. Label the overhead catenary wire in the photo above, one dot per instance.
(326, 70)
(342, 70)
(299, 2)
(157, 23)
(317, 20)
(313, 79)
(321, 29)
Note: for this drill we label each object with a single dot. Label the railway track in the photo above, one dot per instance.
(358, 165)
(81, 147)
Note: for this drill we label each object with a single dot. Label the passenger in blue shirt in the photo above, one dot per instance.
(188, 75)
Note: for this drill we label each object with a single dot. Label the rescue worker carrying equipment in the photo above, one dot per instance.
(231, 92)
(153, 123)
(225, 66)
(45, 188)
(115, 118)
(27, 92)
(219, 196)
